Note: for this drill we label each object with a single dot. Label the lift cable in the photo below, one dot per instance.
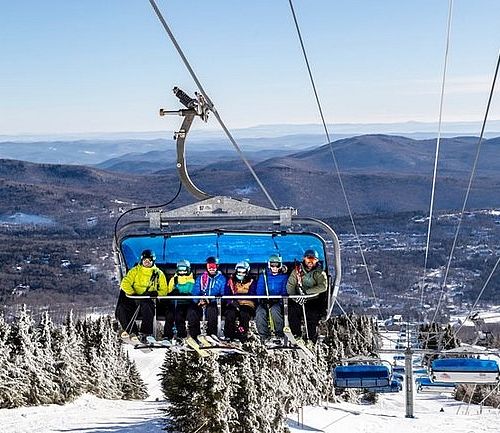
(438, 141)
(337, 169)
(473, 172)
(209, 101)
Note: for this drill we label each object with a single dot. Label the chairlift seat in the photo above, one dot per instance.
(426, 385)
(465, 370)
(394, 386)
(362, 376)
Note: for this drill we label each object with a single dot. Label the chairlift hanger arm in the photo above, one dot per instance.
(194, 107)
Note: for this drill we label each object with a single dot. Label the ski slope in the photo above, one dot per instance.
(91, 415)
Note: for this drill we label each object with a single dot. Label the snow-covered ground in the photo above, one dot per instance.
(91, 415)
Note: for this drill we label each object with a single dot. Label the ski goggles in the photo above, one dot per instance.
(274, 264)
(212, 266)
(182, 270)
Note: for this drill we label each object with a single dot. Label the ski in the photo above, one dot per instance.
(298, 343)
(213, 343)
(191, 342)
(204, 341)
(129, 338)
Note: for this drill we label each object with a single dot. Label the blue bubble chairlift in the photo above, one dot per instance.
(426, 385)
(366, 374)
(231, 230)
(465, 370)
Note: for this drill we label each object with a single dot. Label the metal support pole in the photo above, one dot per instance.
(219, 317)
(409, 382)
(285, 318)
(155, 330)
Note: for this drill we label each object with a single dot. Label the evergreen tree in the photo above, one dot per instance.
(35, 386)
(9, 394)
(133, 387)
(68, 360)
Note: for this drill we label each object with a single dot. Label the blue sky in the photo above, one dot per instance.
(102, 66)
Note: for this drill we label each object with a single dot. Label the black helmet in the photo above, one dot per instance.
(148, 254)
(212, 259)
(311, 253)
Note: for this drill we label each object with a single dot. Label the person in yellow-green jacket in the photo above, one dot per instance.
(147, 280)
(181, 284)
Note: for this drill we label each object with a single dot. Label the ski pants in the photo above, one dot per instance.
(296, 315)
(177, 313)
(273, 311)
(126, 308)
(195, 315)
(233, 312)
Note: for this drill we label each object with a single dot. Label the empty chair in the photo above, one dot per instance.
(464, 370)
(394, 386)
(362, 376)
(425, 385)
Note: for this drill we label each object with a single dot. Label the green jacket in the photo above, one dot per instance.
(314, 281)
(138, 280)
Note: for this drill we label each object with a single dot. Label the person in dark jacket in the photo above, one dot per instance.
(240, 283)
(143, 279)
(211, 282)
(269, 314)
(307, 278)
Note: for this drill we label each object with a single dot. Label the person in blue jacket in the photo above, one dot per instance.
(269, 314)
(211, 282)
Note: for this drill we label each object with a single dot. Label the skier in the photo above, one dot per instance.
(181, 283)
(307, 278)
(210, 283)
(240, 283)
(270, 311)
(143, 279)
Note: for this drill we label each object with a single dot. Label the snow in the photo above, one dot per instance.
(91, 414)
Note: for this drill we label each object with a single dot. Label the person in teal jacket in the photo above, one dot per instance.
(177, 310)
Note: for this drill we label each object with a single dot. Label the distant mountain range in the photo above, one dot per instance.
(380, 174)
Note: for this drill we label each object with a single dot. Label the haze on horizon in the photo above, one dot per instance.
(95, 67)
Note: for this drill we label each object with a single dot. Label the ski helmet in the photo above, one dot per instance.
(311, 253)
(148, 254)
(275, 261)
(183, 267)
(242, 269)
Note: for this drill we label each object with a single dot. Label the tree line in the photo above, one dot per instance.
(43, 363)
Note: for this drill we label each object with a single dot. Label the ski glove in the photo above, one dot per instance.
(300, 300)
(153, 294)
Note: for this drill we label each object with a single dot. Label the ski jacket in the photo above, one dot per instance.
(181, 285)
(276, 284)
(141, 280)
(245, 287)
(205, 285)
(312, 282)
